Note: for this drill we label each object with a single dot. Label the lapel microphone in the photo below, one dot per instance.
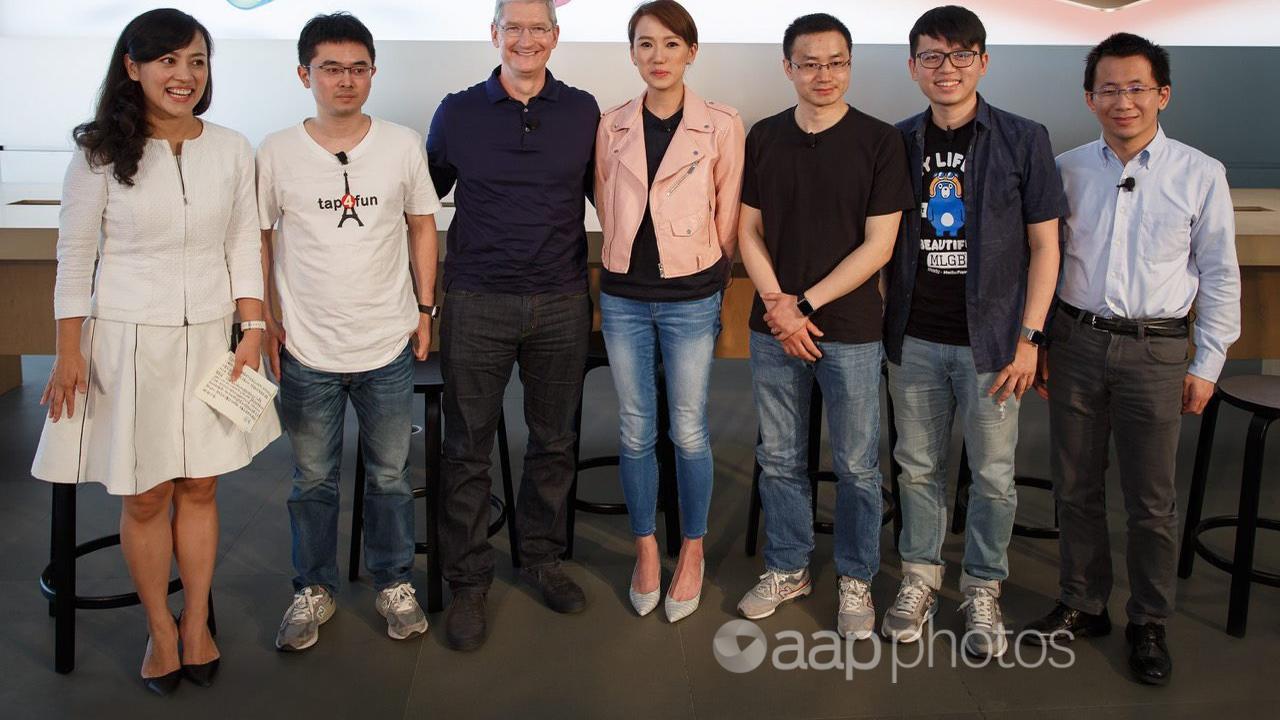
(342, 157)
(813, 140)
(1128, 184)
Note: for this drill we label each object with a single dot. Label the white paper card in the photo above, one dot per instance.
(243, 401)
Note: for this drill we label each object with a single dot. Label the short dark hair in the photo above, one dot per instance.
(1128, 45)
(812, 25)
(336, 27)
(671, 14)
(952, 23)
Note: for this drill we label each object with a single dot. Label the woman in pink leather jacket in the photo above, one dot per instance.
(668, 180)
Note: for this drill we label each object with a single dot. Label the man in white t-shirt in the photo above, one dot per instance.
(342, 190)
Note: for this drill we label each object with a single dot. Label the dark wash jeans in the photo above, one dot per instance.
(482, 336)
(1102, 385)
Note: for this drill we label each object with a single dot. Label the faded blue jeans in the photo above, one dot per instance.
(934, 384)
(685, 334)
(849, 376)
(313, 406)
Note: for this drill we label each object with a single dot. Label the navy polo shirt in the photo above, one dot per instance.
(522, 173)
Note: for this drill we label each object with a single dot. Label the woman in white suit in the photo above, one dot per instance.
(158, 246)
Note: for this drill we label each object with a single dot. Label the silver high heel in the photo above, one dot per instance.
(644, 603)
(680, 609)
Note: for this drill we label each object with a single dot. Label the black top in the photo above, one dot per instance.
(522, 172)
(938, 304)
(815, 192)
(643, 280)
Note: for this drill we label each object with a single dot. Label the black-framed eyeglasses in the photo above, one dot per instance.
(537, 32)
(1133, 92)
(932, 59)
(813, 68)
(334, 70)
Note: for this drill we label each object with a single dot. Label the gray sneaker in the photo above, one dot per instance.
(857, 615)
(774, 589)
(916, 603)
(404, 616)
(312, 607)
(984, 635)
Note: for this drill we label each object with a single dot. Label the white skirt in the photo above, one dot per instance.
(141, 423)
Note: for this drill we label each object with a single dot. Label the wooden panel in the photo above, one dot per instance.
(1259, 314)
(26, 308)
(10, 372)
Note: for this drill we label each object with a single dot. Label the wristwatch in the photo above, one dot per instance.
(804, 306)
(1035, 337)
(431, 311)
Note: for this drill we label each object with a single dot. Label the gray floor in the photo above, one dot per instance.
(606, 662)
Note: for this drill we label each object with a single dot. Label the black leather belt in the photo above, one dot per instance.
(1165, 327)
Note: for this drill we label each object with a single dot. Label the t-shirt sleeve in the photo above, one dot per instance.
(420, 194)
(443, 172)
(268, 202)
(750, 186)
(1042, 195)
(891, 184)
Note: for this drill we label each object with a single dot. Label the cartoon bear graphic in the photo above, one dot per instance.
(945, 209)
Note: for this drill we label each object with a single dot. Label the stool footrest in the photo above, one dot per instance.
(96, 602)
(1223, 563)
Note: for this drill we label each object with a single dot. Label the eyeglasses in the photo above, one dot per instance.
(335, 71)
(537, 32)
(1133, 92)
(932, 59)
(813, 68)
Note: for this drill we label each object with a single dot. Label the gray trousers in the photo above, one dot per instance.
(1102, 384)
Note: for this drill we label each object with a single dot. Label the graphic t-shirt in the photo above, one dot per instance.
(341, 251)
(938, 303)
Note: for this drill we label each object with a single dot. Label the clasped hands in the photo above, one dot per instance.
(797, 333)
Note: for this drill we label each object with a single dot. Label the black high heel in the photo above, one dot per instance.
(201, 674)
(163, 685)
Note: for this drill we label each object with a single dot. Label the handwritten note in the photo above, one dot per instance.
(242, 401)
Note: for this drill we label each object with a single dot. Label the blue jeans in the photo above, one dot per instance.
(933, 382)
(685, 334)
(313, 406)
(849, 376)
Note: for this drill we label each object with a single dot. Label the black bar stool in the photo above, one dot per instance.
(1260, 395)
(965, 481)
(890, 495)
(58, 579)
(429, 382)
(668, 496)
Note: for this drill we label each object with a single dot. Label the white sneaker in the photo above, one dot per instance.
(312, 607)
(404, 616)
(774, 589)
(856, 617)
(984, 635)
(915, 604)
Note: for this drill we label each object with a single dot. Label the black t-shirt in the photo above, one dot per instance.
(815, 192)
(938, 303)
(643, 280)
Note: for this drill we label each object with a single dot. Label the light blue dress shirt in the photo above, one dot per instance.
(1151, 252)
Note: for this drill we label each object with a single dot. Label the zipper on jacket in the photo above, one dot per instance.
(683, 177)
(177, 159)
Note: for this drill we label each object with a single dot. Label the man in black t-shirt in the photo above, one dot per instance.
(968, 290)
(823, 191)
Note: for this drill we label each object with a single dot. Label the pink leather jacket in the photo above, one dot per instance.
(695, 195)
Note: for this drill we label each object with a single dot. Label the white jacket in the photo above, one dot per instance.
(179, 246)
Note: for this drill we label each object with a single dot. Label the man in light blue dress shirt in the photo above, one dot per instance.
(1151, 233)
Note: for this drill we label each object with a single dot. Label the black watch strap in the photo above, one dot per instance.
(1035, 337)
(804, 306)
(431, 311)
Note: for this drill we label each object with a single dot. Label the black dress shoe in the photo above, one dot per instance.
(558, 591)
(464, 624)
(1065, 624)
(1148, 654)
(163, 685)
(203, 673)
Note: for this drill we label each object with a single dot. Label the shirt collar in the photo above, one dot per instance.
(1153, 151)
(496, 93)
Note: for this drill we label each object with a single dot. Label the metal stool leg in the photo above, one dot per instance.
(965, 479)
(357, 514)
(894, 470)
(64, 577)
(504, 459)
(1199, 480)
(570, 509)
(432, 432)
(815, 446)
(212, 622)
(1250, 489)
(753, 509)
(668, 490)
